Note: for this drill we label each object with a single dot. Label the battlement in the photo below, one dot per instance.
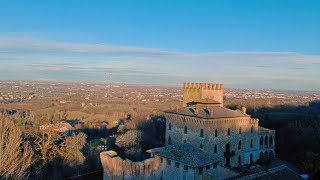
(199, 91)
(208, 86)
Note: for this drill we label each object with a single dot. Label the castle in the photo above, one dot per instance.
(204, 140)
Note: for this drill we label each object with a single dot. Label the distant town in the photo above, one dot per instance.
(90, 93)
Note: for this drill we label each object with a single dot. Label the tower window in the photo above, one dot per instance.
(215, 148)
(240, 130)
(251, 129)
(169, 140)
(185, 129)
(201, 146)
(184, 141)
(216, 133)
(239, 145)
(251, 143)
(169, 126)
(266, 141)
(228, 131)
(201, 133)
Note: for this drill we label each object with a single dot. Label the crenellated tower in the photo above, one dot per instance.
(200, 91)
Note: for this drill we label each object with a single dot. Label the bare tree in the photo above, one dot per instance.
(45, 143)
(70, 149)
(16, 155)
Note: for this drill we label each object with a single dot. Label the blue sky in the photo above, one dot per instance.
(245, 44)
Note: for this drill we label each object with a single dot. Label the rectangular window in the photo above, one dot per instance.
(186, 167)
(200, 171)
(208, 167)
(176, 165)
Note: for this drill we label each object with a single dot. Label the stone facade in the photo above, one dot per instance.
(243, 138)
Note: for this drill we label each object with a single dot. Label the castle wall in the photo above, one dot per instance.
(171, 171)
(198, 91)
(115, 168)
(209, 141)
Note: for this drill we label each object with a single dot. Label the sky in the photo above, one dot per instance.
(263, 44)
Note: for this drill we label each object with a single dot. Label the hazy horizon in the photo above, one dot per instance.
(269, 45)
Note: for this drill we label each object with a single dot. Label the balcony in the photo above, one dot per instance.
(229, 154)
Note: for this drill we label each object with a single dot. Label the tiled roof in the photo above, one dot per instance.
(210, 112)
(185, 154)
(278, 173)
(206, 101)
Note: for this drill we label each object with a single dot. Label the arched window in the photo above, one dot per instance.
(261, 156)
(251, 129)
(169, 126)
(261, 141)
(201, 133)
(201, 146)
(239, 145)
(228, 131)
(169, 140)
(251, 143)
(270, 141)
(251, 159)
(266, 141)
(240, 130)
(266, 155)
(185, 129)
(216, 133)
(184, 141)
(228, 148)
(215, 148)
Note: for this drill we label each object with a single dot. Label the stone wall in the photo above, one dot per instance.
(198, 91)
(115, 168)
(209, 141)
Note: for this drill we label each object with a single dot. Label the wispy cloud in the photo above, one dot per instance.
(36, 45)
(81, 61)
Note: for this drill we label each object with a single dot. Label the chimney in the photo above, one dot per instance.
(244, 110)
(195, 110)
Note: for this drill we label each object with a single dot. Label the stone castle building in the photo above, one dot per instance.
(204, 140)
